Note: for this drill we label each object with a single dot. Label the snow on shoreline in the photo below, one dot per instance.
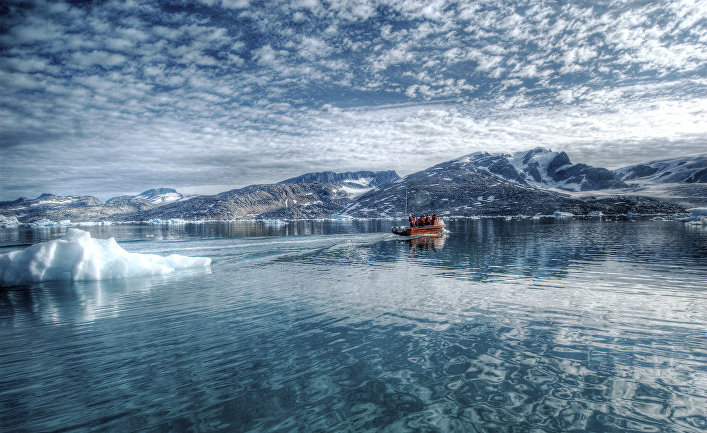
(77, 256)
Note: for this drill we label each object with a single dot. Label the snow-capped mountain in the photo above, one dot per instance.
(302, 200)
(348, 184)
(691, 169)
(158, 196)
(543, 168)
(50, 201)
(460, 187)
(83, 208)
(477, 184)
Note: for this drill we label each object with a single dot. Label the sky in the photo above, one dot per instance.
(116, 97)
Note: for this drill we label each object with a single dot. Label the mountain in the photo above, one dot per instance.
(367, 178)
(70, 207)
(692, 169)
(351, 184)
(478, 184)
(155, 196)
(544, 169)
(462, 188)
(29, 209)
(269, 201)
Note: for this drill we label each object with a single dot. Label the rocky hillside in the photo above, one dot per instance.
(691, 169)
(544, 169)
(460, 188)
(301, 200)
(78, 208)
(478, 184)
(368, 178)
(350, 184)
(156, 196)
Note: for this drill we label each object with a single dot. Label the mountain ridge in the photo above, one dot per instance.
(688, 169)
(477, 184)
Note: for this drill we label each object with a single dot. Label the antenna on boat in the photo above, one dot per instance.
(406, 200)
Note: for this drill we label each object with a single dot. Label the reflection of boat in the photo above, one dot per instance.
(421, 230)
(428, 242)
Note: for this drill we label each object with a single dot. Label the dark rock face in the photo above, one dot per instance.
(691, 169)
(544, 168)
(296, 201)
(377, 178)
(457, 188)
(155, 195)
(698, 177)
(479, 184)
(56, 208)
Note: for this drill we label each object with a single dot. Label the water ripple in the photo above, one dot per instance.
(505, 327)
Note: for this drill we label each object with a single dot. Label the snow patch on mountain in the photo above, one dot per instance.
(691, 169)
(543, 168)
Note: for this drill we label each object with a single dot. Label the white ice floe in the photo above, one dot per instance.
(77, 256)
(171, 221)
(561, 215)
(9, 222)
(697, 212)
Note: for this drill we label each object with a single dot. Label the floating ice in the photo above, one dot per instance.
(697, 212)
(77, 256)
(562, 215)
(9, 222)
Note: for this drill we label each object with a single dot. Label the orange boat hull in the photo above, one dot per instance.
(415, 231)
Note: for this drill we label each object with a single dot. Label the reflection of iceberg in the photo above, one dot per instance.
(77, 256)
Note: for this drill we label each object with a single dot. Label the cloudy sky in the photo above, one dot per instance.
(112, 97)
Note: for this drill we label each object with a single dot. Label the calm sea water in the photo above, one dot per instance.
(339, 326)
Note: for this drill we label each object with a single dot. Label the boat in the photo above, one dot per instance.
(428, 230)
(424, 230)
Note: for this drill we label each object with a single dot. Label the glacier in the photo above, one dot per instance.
(78, 256)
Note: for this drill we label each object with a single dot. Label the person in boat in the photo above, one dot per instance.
(413, 221)
(421, 221)
(428, 220)
(435, 220)
(410, 220)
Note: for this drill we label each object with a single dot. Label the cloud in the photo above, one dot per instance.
(98, 58)
(185, 85)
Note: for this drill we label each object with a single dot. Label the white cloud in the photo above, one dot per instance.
(235, 4)
(266, 56)
(313, 47)
(235, 75)
(98, 58)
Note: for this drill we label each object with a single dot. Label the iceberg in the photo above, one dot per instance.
(562, 215)
(77, 256)
(9, 222)
(43, 223)
(697, 212)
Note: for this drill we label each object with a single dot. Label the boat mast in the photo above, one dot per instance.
(406, 200)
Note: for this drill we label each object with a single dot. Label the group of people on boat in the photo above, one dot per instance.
(425, 220)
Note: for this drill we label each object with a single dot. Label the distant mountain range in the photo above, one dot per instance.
(154, 196)
(531, 182)
(542, 168)
(351, 184)
(676, 170)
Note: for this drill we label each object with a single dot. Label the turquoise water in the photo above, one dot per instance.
(339, 326)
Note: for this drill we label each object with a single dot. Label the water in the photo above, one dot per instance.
(339, 326)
